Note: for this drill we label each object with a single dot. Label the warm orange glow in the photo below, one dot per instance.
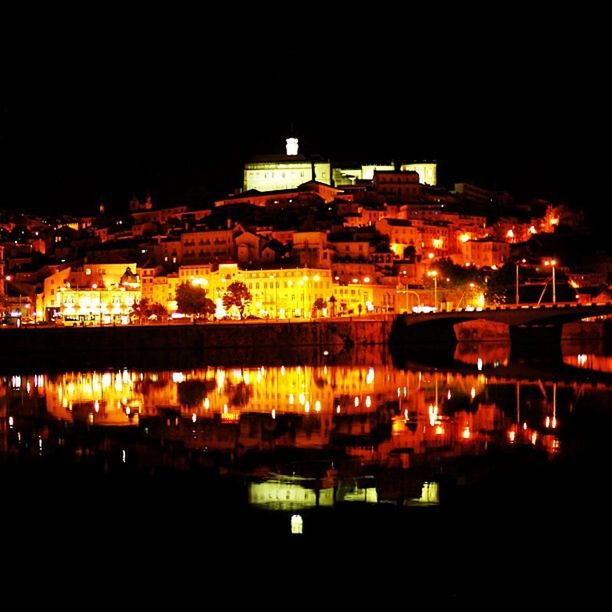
(397, 426)
(439, 430)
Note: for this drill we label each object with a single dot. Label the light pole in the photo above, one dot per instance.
(434, 274)
(95, 286)
(517, 280)
(552, 263)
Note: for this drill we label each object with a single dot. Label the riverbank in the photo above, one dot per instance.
(97, 346)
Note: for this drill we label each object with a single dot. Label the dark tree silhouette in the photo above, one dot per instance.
(238, 295)
(193, 301)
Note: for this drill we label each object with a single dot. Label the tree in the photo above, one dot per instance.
(143, 310)
(160, 311)
(319, 305)
(140, 309)
(238, 295)
(192, 300)
(410, 253)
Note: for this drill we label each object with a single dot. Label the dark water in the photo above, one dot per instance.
(481, 480)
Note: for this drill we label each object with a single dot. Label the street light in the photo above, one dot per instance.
(552, 263)
(95, 286)
(434, 274)
(517, 280)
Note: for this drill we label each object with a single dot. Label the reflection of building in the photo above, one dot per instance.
(285, 421)
(96, 399)
(281, 495)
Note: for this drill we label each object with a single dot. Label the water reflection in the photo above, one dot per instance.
(299, 436)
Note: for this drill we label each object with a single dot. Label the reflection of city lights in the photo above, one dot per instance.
(397, 426)
(11, 421)
(512, 435)
(338, 409)
(466, 433)
(370, 376)
(479, 364)
(433, 414)
(406, 413)
(534, 437)
(368, 401)
(356, 402)
(318, 406)
(307, 407)
(273, 413)
(472, 393)
(297, 524)
(194, 417)
(448, 395)
(439, 430)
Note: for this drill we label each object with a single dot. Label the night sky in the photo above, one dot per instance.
(100, 103)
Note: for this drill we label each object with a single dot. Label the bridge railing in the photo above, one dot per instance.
(530, 306)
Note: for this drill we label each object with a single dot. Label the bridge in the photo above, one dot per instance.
(526, 323)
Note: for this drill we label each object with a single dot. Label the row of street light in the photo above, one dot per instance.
(552, 263)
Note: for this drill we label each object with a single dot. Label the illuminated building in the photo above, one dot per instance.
(403, 186)
(485, 252)
(310, 192)
(402, 233)
(427, 172)
(96, 305)
(96, 293)
(275, 172)
(349, 175)
(277, 292)
(209, 245)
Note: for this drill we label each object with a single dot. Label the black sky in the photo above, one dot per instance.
(101, 102)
